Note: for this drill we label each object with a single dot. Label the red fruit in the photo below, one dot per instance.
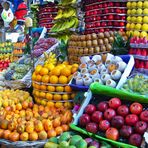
(110, 17)
(122, 110)
(136, 108)
(109, 114)
(84, 120)
(117, 121)
(126, 131)
(114, 103)
(131, 119)
(104, 125)
(90, 109)
(102, 106)
(144, 52)
(121, 24)
(144, 116)
(141, 127)
(135, 139)
(97, 116)
(112, 133)
(92, 127)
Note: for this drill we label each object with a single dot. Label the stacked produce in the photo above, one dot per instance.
(6, 47)
(68, 140)
(116, 120)
(103, 16)
(105, 69)
(137, 18)
(46, 15)
(82, 45)
(43, 45)
(22, 120)
(50, 83)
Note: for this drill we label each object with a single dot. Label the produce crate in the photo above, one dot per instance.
(128, 59)
(103, 95)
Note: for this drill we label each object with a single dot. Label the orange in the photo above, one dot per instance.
(42, 94)
(49, 96)
(38, 78)
(58, 104)
(51, 133)
(38, 68)
(45, 79)
(49, 66)
(59, 130)
(74, 69)
(50, 104)
(66, 97)
(65, 127)
(63, 80)
(59, 89)
(44, 71)
(37, 93)
(57, 97)
(68, 89)
(66, 72)
(56, 122)
(43, 87)
(75, 65)
(53, 79)
(56, 71)
(65, 63)
(51, 88)
(36, 86)
(34, 76)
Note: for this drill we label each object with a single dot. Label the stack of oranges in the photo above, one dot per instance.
(50, 84)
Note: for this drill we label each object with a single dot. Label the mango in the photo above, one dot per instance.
(75, 139)
(51, 145)
(64, 137)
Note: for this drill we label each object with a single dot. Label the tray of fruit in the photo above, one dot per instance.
(111, 71)
(121, 122)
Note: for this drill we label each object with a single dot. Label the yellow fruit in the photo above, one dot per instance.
(34, 76)
(59, 89)
(43, 87)
(53, 79)
(38, 78)
(43, 102)
(58, 104)
(49, 66)
(57, 97)
(44, 71)
(56, 71)
(63, 80)
(66, 97)
(49, 96)
(42, 94)
(50, 104)
(45, 79)
(143, 34)
(136, 33)
(68, 89)
(38, 68)
(51, 88)
(66, 72)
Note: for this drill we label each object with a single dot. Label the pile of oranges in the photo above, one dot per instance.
(50, 84)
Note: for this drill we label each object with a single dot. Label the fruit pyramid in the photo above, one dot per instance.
(137, 18)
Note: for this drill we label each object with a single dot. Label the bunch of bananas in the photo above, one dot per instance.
(68, 2)
(66, 13)
(50, 58)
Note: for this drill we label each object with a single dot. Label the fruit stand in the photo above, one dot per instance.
(74, 74)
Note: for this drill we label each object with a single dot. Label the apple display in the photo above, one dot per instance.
(92, 127)
(117, 121)
(104, 125)
(126, 131)
(131, 119)
(90, 109)
(109, 114)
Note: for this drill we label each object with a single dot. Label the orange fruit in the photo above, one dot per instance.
(51, 88)
(50, 104)
(57, 97)
(66, 97)
(44, 71)
(42, 94)
(65, 63)
(38, 78)
(65, 127)
(43, 87)
(56, 71)
(58, 104)
(51, 133)
(56, 122)
(36, 86)
(33, 136)
(63, 80)
(49, 96)
(74, 69)
(38, 68)
(43, 102)
(66, 72)
(19, 106)
(59, 130)
(53, 79)
(75, 65)
(37, 93)
(34, 76)
(68, 89)
(45, 79)
(59, 89)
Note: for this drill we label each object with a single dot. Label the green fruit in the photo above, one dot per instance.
(81, 144)
(64, 137)
(53, 139)
(50, 145)
(75, 139)
(64, 144)
(72, 146)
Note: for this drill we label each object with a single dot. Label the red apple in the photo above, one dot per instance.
(102, 106)
(117, 121)
(144, 116)
(109, 114)
(114, 103)
(112, 133)
(131, 119)
(136, 108)
(97, 116)
(84, 120)
(110, 17)
(92, 127)
(126, 131)
(141, 127)
(135, 140)
(104, 125)
(90, 109)
(122, 110)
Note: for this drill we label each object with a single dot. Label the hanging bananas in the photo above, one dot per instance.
(50, 58)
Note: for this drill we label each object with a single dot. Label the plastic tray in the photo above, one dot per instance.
(130, 64)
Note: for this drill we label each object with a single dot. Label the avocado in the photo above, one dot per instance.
(74, 139)
(53, 139)
(64, 137)
(51, 145)
(81, 144)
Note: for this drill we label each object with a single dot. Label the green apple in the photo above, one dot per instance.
(145, 4)
(139, 11)
(133, 19)
(129, 12)
(130, 33)
(138, 26)
(145, 11)
(127, 26)
(134, 4)
(136, 33)
(128, 5)
(144, 27)
(132, 26)
(133, 11)
(139, 4)
(129, 19)
(143, 34)
(139, 19)
(145, 19)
